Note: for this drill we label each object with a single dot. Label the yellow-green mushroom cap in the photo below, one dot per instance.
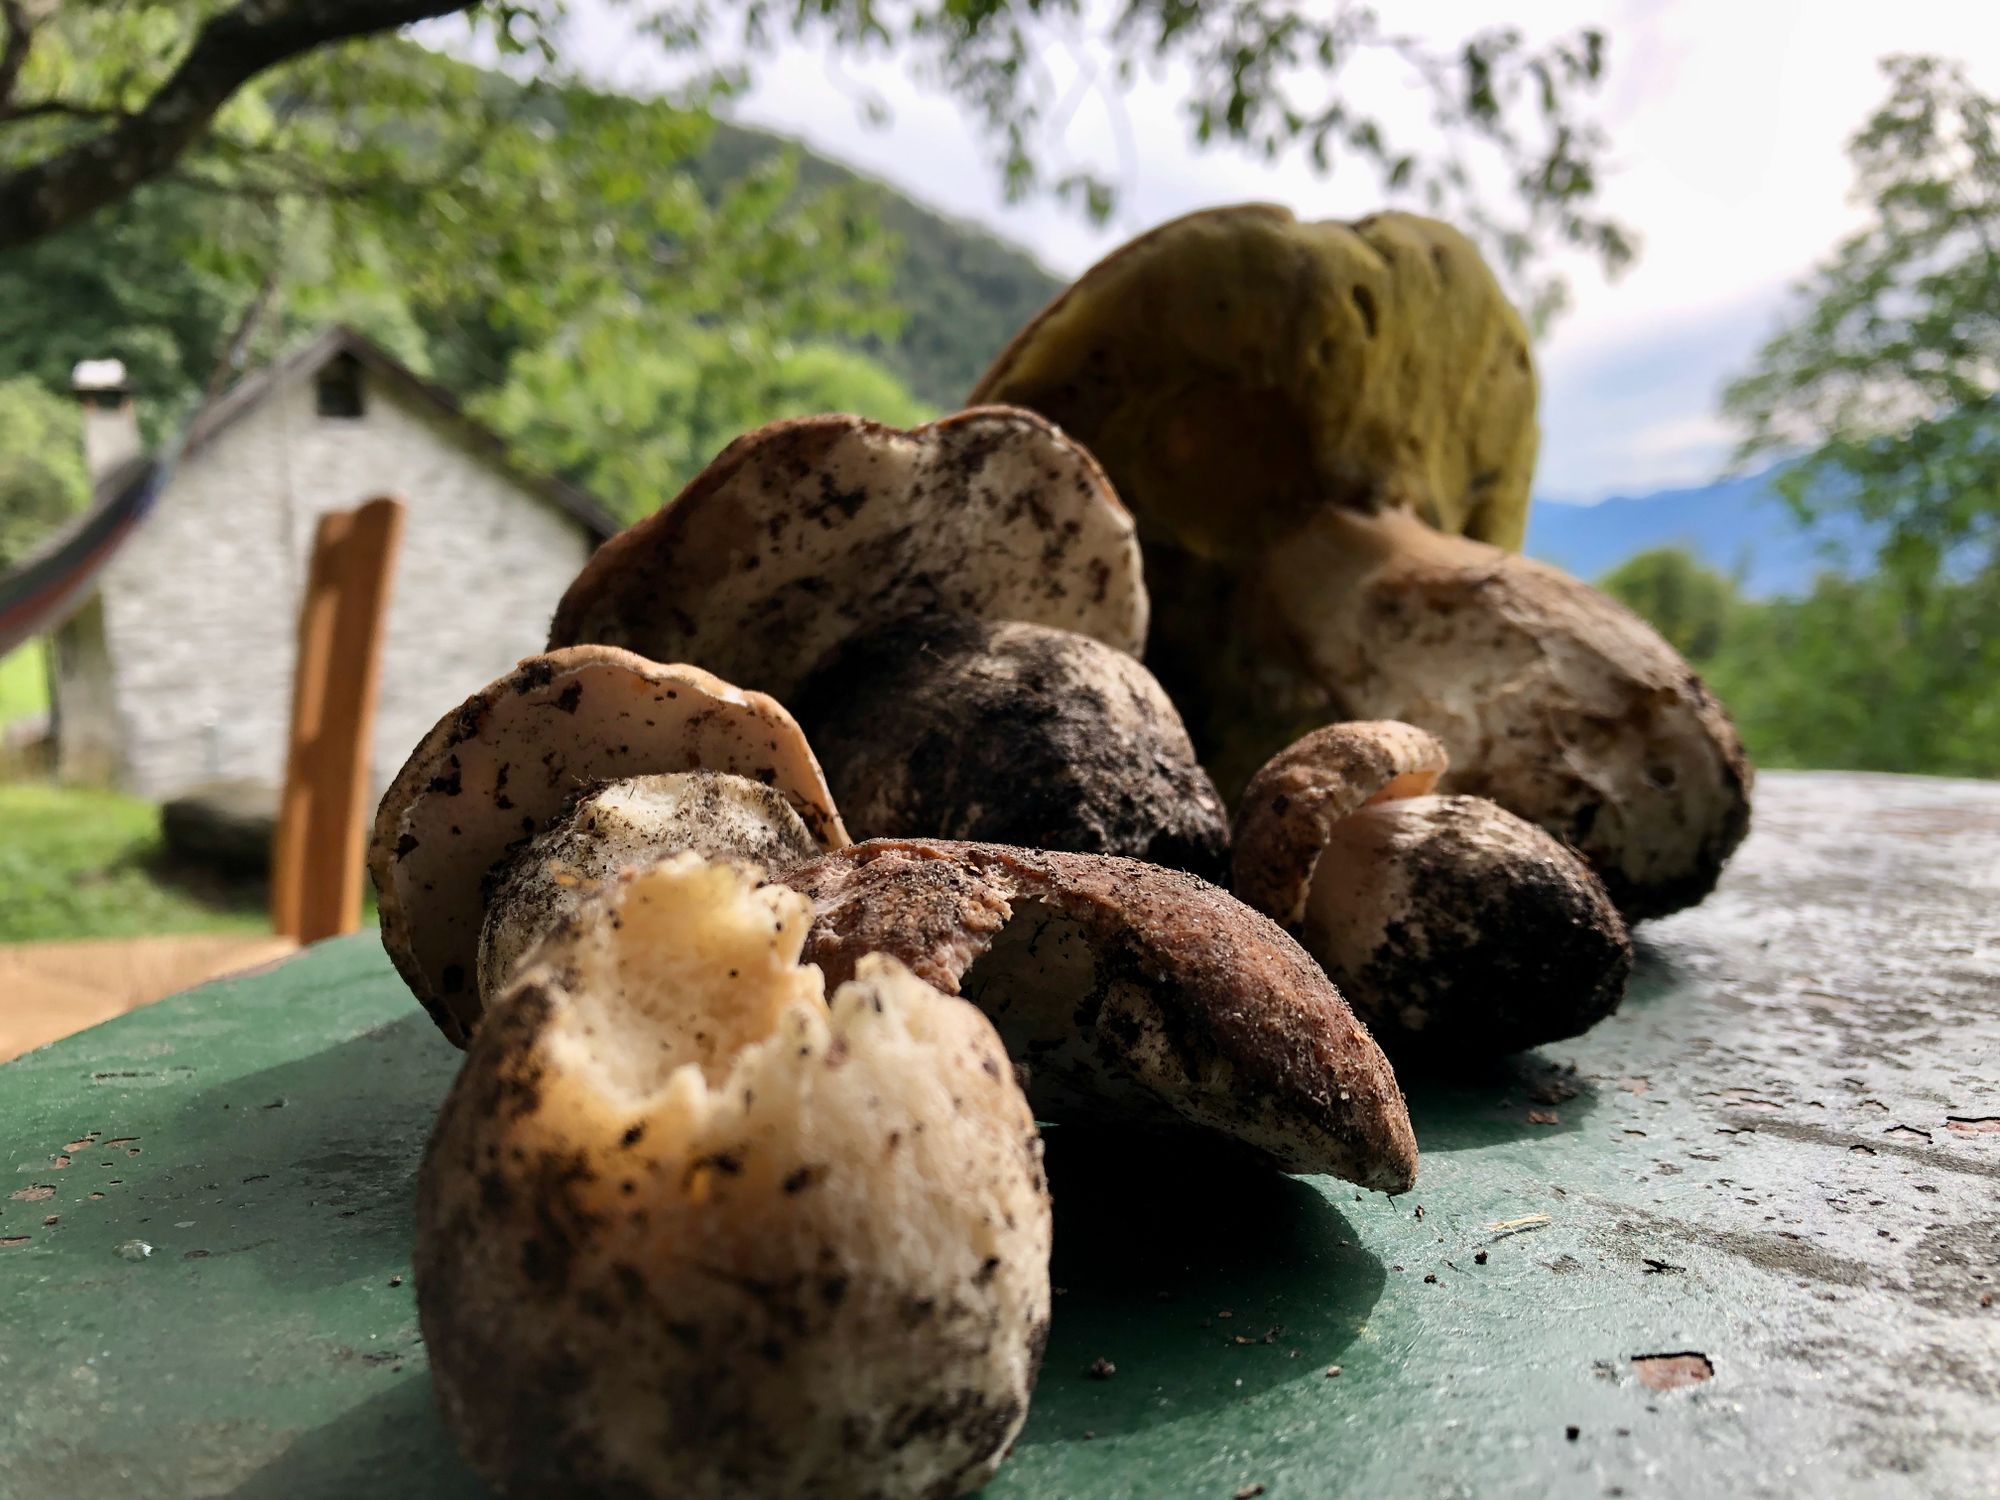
(1237, 367)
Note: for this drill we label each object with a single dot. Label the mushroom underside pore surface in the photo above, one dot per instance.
(1128, 995)
(621, 825)
(1010, 733)
(494, 773)
(688, 1229)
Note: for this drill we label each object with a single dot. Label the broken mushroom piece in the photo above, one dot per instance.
(688, 1229)
(1456, 930)
(618, 825)
(957, 728)
(953, 613)
(500, 769)
(1127, 995)
(1326, 434)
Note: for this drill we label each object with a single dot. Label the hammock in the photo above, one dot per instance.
(57, 577)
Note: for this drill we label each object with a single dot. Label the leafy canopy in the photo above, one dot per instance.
(41, 466)
(1887, 374)
(1852, 676)
(97, 100)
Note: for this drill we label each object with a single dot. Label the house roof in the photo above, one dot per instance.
(250, 392)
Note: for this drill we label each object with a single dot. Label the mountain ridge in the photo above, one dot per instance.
(1738, 524)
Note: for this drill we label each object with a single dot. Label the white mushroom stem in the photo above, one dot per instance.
(619, 826)
(691, 1228)
(1455, 928)
(1552, 699)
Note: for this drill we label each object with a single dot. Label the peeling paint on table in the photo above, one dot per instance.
(1743, 1239)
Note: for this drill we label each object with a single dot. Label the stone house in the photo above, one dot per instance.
(178, 673)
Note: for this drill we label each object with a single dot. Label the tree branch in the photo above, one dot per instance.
(231, 49)
(14, 52)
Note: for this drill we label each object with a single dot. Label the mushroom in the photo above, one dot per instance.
(1455, 929)
(689, 1229)
(557, 741)
(940, 605)
(1127, 995)
(1004, 732)
(1326, 435)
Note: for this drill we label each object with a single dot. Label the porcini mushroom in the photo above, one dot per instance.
(526, 750)
(1127, 995)
(945, 608)
(1456, 930)
(1326, 434)
(948, 726)
(690, 1229)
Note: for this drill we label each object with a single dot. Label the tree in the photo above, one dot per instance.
(97, 100)
(41, 467)
(634, 420)
(1887, 371)
(158, 78)
(139, 281)
(1688, 602)
(1854, 676)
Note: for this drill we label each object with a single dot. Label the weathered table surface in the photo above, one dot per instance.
(1783, 1154)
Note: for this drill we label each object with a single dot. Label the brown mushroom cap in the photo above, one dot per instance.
(804, 533)
(1237, 368)
(621, 825)
(1128, 994)
(1001, 732)
(691, 1229)
(494, 772)
(1456, 930)
(1291, 806)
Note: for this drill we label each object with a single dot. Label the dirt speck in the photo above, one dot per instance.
(1100, 1369)
(1673, 1372)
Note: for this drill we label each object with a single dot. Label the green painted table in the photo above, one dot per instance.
(1782, 1154)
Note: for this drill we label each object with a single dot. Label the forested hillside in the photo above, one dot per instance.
(618, 285)
(962, 291)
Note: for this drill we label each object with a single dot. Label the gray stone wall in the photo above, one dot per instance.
(201, 608)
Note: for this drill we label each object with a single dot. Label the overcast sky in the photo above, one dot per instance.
(1728, 120)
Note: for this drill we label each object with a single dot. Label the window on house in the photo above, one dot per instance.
(339, 387)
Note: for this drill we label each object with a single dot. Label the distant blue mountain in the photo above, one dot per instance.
(1739, 525)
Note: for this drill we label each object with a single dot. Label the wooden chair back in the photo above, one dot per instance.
(317, 856)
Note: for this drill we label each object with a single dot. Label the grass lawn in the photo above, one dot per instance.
(77, 864)
(24, 684)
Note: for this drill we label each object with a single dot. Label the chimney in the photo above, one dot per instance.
(110, 426)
